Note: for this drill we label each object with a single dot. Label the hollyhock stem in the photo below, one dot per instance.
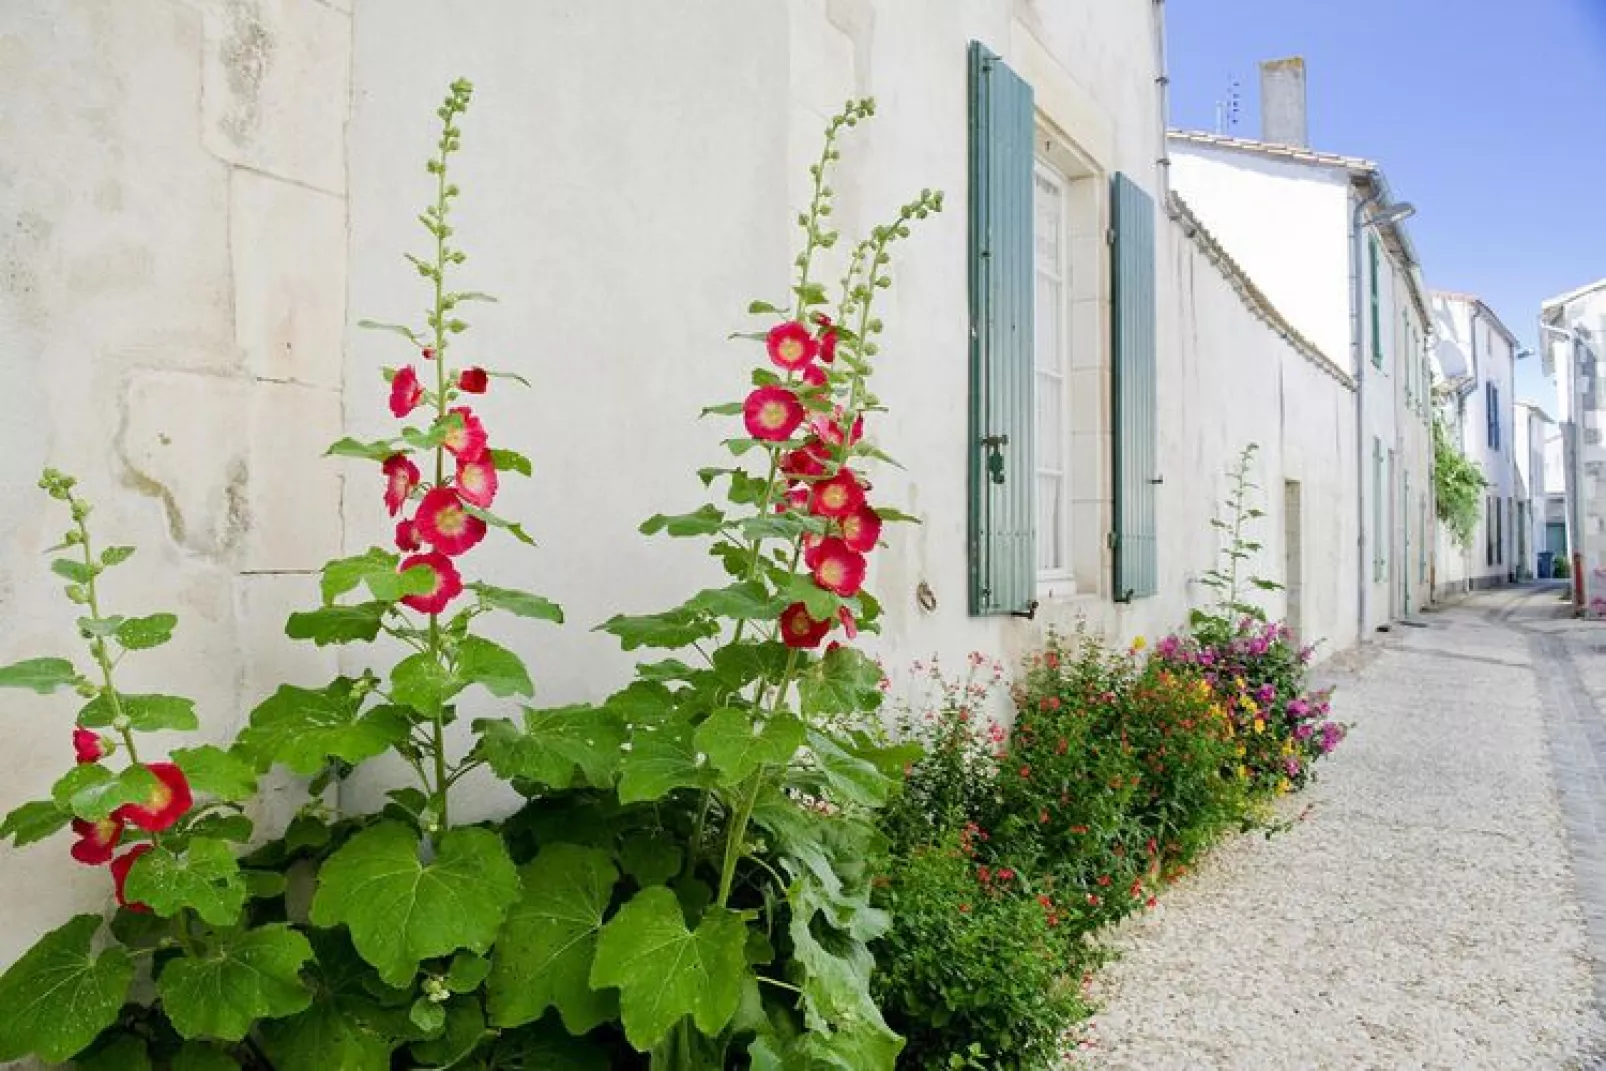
(736, 836)
(97, 645)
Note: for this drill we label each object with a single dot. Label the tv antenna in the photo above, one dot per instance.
(1227, 108)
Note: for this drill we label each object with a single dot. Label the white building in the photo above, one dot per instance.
(1532, 430)
(1323, 236)
(210, 196)
(1573, 339)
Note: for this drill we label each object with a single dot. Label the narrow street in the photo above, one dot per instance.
(1440, 901)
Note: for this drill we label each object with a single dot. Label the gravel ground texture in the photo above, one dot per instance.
(1421, 913)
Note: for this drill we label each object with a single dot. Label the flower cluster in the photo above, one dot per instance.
(167, 800)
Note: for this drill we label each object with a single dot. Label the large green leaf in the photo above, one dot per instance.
(246, 975)
(92, 791)
(338, 624)
(420, 682)
(843, 682)
(143, 633)
(521, 603)
(34, 821)
(401, 911)
(464, 1029)
(665, 972)
(145, 713)
(738, 742)
(838, 1008)
(706, 521)
(544, 953)
(851, 779)
(59, 995)
(215, 772)
(748, 599)
(670, 630)
(124, 1052)
(542, 1046)
(377, 569)
(204, 878)
(198, 1056)
(42, 675)
(737, 665)
(302, 728)
(555, 746)
(661, 759)
(497, 669)
(344, 1028)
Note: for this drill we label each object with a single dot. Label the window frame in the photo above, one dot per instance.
(1060, 579)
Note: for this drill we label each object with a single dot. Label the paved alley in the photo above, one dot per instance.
(1442, 901)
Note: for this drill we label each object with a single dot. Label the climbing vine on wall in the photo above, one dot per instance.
(1457, 485)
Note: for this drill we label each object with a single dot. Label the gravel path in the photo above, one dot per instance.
(1424, 914)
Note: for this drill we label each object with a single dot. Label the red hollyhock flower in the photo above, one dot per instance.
(405, 392)
(88, 745)
(796, 498)
(861, 530)
(473, 380)
(165, 804)
(97, 841)
(807, 460)
(790, 345)
(800, 630)
(120, 867)
(837, 568)
(827, 337)
(448, 584)
(476, 482)
(849, 626)
(772, 413)
(429, 353)
(837, 497)
(468, 442)
(407, 536)
(401, 476)
(814, 376)
(830, 429)
(445, 524)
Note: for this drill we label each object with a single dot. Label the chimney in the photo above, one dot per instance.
(1282, 102)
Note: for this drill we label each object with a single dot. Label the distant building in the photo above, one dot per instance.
(1532, 430)
(1573, 330)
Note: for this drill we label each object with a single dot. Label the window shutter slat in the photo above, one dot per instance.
(1003, 555)
(1136, 438)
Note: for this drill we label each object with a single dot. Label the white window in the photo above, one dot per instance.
(1052, 361)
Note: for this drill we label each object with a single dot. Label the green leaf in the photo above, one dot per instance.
(660, 761)
(216, 772)
(92, 791)
(737, 742)
(338, 624)
(115, 556)
(545, 950)
(464, 1029)
(342, 1029)
(245, 976)
(263, 884)
(33, 822)
(418, 681)
(764, 308)
(396, 329)
(378, 570)
(811, 294)
(670, 630)
(510, 461)
(60, 995)
(145, 713)
(521, 603)
(722, 409)
(706, 521)
(42, 675)
(142, 633)
(467, 972)
(546, 1045)
(747, 600)
(494, 667)
(852, 779)
(400, 911)
(195, 1056)
(738, 665)
(511, 528)
(205, 878)
(650, 858)
(427, 1015)
(556, 747)
(514, 376)
(101, 626)
(374, 451)
(895, 516)
(76, 571)
(223, 826)
(665, 972)
(123, 1053)
(845, 681)
(302, 728)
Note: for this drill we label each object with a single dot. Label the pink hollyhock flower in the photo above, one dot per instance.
(97, 841)
(466, 443)
(401, 476)
(772, 413)
(850, 627)
(837, 568)
(473, 380)
(861, 529)
(407, 536)
(120, 867)
(830, 428)
(476, 482)
(446, 525)
(790, 345)
(165, 804)
(405, 392)
(448, 583)
(800, 630)
(88, 745)
(837, 497)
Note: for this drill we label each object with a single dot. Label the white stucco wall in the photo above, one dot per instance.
(1581, 411)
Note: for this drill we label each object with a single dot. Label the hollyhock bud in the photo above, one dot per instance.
(401, 476)
(165, 804)
(790, 345)
(476, 482)
(448, 584)
(833, 430)
(446, 525)
(405, 392)
(88, 745)
(828, 344)
(467, 442)
(837, 568)
(473, 380)
(97, 841)
(428, 353)
(861, 530)
(407, 536)
(850, 627)
(772, 413)
(120, 867)
(799, 630)
(814, 376)
(838, 496)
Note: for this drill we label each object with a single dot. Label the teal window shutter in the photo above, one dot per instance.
(1136, 438)
(1003, 553)
(1378, 505)
(1377, 309)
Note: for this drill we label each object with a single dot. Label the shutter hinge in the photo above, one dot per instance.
(1109, 236)
(1030, 613)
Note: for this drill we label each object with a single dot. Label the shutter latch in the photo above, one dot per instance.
(995, 456)
(1030, 613)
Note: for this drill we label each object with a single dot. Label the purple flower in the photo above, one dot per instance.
(1298, 709)
(1266, 693)
(1303, 731)
(1291, 766)
(1332, 733)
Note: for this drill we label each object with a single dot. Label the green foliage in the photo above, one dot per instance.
(1458, 486)
(1227, 579)
(242, 978)
(60, 994)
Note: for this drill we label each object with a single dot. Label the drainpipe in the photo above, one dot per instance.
(1358, 358)
(1472, 342)
(1162, 82)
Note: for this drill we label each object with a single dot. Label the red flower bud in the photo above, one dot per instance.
(473, 380)
(405, 392)
(88, 745)
(428, 353)
(407, 536)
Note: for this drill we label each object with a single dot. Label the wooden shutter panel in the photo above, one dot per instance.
(1136, 438)
(1003, 554)
(1377, 309)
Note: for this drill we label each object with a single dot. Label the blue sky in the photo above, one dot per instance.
(1488, 115)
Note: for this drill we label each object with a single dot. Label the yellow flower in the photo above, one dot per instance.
(1240, 684)
(1243, 773)
(1260, 725)
(1242, 751)
(1284, 786)
(1139, 643)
